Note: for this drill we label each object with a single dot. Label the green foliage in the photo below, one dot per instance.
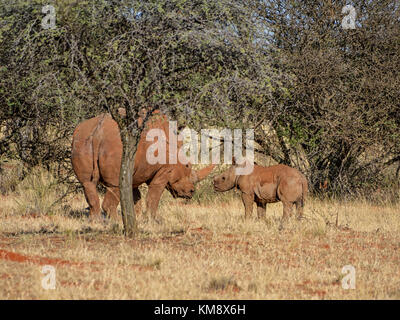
(342, 114)
(328, 97)
(11, 173)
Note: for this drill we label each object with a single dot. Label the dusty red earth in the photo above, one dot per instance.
(202, 243)
(17, 257)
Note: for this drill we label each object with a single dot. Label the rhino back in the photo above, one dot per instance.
(82, 153)
(97, 142)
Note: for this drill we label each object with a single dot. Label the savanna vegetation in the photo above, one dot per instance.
(320, 97)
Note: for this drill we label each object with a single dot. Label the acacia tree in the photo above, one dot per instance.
(168, 54)
(328, 97)
(342, 110)
(206, 56)
(38, 106)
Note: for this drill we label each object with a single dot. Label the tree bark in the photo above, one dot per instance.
(129, 143)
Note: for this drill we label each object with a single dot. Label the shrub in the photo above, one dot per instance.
(11, 173)
(39, 193)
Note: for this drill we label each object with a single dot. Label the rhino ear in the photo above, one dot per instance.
(203, 173)
(239, 163)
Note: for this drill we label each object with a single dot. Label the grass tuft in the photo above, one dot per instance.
(223, 283)
(39, 193)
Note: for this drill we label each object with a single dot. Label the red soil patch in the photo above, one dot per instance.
(75, 283)
(325, 246)
(304, 286)
(16, 257)
(201, 230)
(229, 235)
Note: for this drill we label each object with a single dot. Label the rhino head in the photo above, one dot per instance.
(182, 179)
(225, 181)
(228, 179)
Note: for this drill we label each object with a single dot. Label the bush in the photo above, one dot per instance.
(39, 193)
(11, 173)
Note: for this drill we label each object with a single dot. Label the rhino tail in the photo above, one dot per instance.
(94, 141)
(95, 152)
(304, 192)
(203, 173)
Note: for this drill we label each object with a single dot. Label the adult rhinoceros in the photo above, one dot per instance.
(96, 157)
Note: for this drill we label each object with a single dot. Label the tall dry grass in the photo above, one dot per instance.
(203, 250)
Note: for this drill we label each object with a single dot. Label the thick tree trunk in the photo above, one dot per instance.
(125, 184)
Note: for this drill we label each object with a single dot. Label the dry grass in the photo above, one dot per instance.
(202, 252)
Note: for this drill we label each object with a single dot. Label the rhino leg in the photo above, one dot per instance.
(261, 210)
(92, 199)
(287, 211)
(137, 201)
(110, 202)
(299, 209)
(248, 200)
(152, 200)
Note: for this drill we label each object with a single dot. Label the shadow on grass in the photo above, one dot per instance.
(76, 213)
(81, 214)
(54, 231)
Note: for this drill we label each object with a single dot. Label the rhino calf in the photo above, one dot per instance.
(266, 185)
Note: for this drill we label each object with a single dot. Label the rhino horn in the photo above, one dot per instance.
(202, 174)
